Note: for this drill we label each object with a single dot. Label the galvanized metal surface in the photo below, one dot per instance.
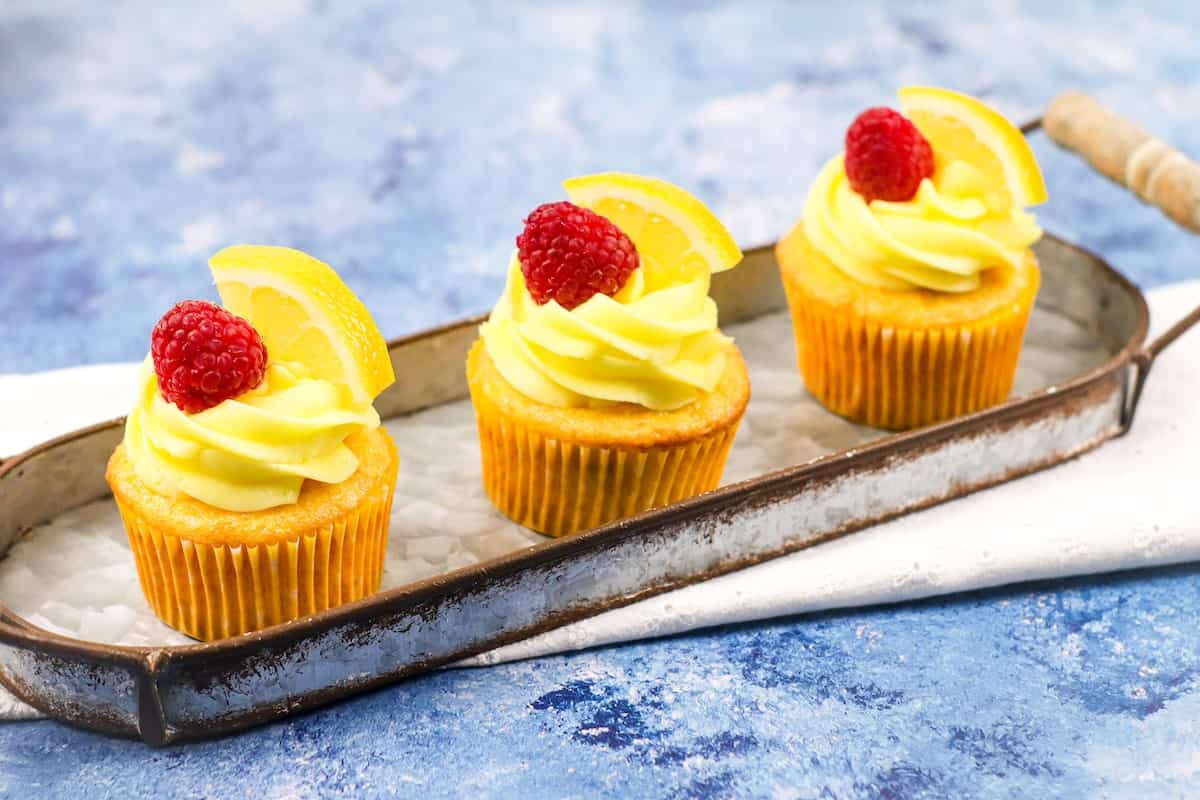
(172, 693)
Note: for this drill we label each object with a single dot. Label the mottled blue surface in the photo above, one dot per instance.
(1083, 688)
(404, 145)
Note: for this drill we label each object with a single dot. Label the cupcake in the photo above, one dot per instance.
(254, 480)
(601, 383)
(910, 277)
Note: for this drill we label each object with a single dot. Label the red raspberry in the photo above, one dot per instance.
(570, 253)
(203, 355)
(886, 156)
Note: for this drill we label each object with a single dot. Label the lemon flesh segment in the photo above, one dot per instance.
(305, 313)
(677, 237)
(960, 127)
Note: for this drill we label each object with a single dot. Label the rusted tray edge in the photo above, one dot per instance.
(422, 593)
(159, 730)
(429, 597)
(785, 490)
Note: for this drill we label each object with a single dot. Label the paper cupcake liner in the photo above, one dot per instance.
(559, 487)
(214, 591)
(895, 377)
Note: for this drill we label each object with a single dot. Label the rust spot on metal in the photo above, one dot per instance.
(61, 708)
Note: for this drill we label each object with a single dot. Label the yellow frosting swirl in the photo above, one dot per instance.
(655, 343)
(251, 452)
(941, 239)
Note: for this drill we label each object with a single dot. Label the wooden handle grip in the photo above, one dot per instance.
(1156, 172)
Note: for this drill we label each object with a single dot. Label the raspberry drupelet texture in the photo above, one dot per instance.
(886, 156)
(203, 355)
(569, 254)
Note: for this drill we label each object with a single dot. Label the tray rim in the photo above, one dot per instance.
(145, 662)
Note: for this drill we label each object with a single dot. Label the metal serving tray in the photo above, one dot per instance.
(171, 693)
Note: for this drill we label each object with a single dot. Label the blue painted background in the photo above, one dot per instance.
(404, 144)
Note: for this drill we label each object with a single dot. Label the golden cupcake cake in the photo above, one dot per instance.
(254, 480)
(601, 382)
(910, 277)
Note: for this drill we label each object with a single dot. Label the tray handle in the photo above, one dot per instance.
(1125, 153)
(1153, 170)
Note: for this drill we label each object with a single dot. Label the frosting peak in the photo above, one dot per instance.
(251, 452)
(655, 343)
(942, 239)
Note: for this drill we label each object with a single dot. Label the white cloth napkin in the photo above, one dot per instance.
(1128, 504)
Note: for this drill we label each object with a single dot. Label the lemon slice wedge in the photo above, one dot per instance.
(961, 127)
(676, 236)
(305, 313)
